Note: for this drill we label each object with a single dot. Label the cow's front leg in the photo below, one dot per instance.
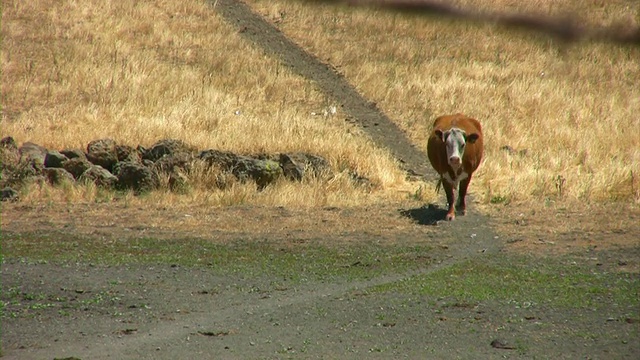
(449, 190)
(462, 203)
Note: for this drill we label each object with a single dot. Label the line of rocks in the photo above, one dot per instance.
(168, 162)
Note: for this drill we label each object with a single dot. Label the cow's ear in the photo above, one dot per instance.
(439, 134)
(471, 138)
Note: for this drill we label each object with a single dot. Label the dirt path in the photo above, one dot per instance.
(165, 312)
(170, 311)
(175, 324)
(365, 113)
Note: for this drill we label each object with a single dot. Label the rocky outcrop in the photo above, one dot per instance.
(32, 154)
(77, 166)
(135, 176)
(103, 153)
(99, 176)
(57, 176)
(262, 171)
(73, 153)
(168, 162)
(167, 147)
(298, 165)
(18, 166)
(54, 159)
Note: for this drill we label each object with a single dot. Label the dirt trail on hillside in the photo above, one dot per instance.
(382, 130)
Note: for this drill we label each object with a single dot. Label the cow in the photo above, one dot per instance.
(455, 151)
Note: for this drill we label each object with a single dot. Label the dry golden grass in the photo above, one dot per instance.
(574, 108)
(138, 72)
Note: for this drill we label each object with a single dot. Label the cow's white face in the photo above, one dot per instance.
(455, 141)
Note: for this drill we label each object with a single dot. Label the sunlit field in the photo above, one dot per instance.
(138, 72)
(560, 120)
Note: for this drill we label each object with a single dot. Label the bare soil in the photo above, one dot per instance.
(164, 311)
(92, 311)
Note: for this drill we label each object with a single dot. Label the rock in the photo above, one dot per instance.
(297, 165)
(54, 159)
(106, 160)
(73, 153)
(318, 164)
(101, 145)
(178, 182)
(15, 171)
(9, 155)
(166, 147)
(292, 169)
(127, 153)
(22, 165)
(33, 154)
(169, 163)
(102, 152)
(142, 150)
(108, 164)
(99, 176)
(263, 172)
(136, 177)
(224, 159)
(57, 176)
(8, 143)
(77, 166)
(502, 344)
(8, 194)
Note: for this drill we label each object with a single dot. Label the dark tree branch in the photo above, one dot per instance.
(565, 28)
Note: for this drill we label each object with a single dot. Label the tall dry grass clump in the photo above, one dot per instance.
(560, 120)
(138, 72)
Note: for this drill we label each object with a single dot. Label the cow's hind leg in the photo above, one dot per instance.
(462, 195)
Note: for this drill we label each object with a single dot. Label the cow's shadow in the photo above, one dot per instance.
(429, 214)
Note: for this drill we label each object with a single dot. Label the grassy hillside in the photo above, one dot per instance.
(138, 72)
(569, 111)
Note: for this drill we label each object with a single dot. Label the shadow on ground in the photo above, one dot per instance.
(426, 215)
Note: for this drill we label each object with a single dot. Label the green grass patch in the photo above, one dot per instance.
(526, 281)
(300, 262)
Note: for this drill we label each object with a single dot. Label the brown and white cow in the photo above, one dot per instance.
(455, 151)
